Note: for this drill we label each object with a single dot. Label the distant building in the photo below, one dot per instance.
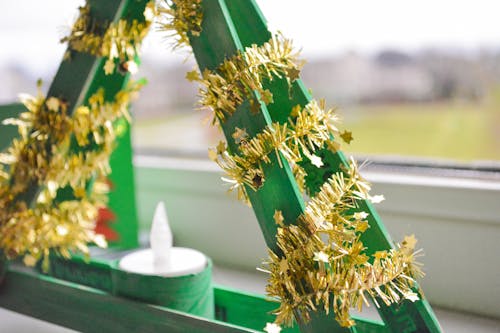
(354, 78)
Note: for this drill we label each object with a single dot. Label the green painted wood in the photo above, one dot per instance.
(377, 238)
(94, 272)
(246, 26)
(191, 293)
(9, 132)
(254, 311)
(245, 309)
(88, 309)
(218, 41)
(91, 310)
(3, 267)
(122, 201)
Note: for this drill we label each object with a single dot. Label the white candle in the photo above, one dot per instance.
(162, 259)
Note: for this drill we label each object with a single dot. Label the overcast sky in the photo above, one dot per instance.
(30, 29)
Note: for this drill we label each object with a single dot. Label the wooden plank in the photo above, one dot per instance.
(87, 309)
(254, 311)
(91, 310)
(217, 42)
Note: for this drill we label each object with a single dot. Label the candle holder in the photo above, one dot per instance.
(174, 277)
(192, 293)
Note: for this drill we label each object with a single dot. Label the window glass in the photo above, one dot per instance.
(412, 79)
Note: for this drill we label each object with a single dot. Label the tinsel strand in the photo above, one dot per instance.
(323, 265)
(120, 40)
(237, 78)
(301, 137)
(42, 157)
(181, 19)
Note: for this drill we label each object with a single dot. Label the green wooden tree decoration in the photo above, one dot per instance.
(280, 146)
(254, 100)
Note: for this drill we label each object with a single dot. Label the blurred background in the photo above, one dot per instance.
(410, 79)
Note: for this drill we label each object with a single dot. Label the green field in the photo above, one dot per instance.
(456, 131)
(452, 130)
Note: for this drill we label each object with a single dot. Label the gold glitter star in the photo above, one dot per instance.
(212, 154)
(284, 266)
(254, 106)
(221, 147)
(360, 215)
(52, 103)
(316, 161)
(346, 136)
(193, 76)
(267, 97)
(293, 73)
(321, 256)
(409, 241)
(240, 135)
(109, 66)
(278, 217)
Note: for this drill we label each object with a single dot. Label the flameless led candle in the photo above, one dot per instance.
(162, 259)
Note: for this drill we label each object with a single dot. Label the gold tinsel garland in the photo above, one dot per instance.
(44, 158)
(237, 78)
(181, 19)
(66, 225)
(120, 40)
(321, 264)
(307, 130)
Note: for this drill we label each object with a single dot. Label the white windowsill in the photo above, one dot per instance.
(456, 220)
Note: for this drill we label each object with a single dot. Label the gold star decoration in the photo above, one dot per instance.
(221, 147)
(52, 103)
(131, 67)
(380, 255)
(254, 106)
(109, 66)
(362, 226)
(376, 198)
(360, 215)
(346, 136)
(296, 110)
(284, 266)
(409, 242)
(267, 97)
(293, 73)
(193, 76)
(278, 217)
(240, 135)
(321, 256)
(212, 154)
